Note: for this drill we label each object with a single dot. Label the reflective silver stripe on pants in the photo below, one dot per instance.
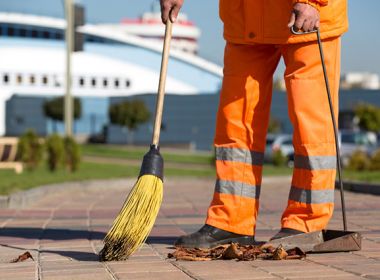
(239, 155)
(237, 188)
(314, 162)
(311, 196)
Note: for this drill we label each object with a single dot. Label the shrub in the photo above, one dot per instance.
(369, 117)
(278, 158)
(55, 150)
(274, 125)
(30, 150)
(358, 161)
(72, 154)
(375, 161)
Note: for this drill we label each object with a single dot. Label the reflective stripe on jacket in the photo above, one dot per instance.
(265, 21)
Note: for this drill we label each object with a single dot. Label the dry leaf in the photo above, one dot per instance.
(22, 257)
(232, 252)
(279, 253)
(190, 258)
(295, 254)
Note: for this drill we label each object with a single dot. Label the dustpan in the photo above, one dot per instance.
(324, 241)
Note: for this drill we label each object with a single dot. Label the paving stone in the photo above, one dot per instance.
(174, 275)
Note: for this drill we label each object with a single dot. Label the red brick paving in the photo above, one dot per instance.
(63, 232)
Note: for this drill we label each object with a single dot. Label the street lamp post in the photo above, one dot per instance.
(69, 36)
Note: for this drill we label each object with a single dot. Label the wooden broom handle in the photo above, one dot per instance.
(161, 85)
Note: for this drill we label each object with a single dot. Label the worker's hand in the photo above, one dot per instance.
(305, 17)
(170, 8)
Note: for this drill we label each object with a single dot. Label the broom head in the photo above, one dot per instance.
(135, 220)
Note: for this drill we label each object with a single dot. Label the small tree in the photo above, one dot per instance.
(129, 114)
(72, 155)
(30, 150)
(54, 109)
(274, 125)
(278, 158)
(369, 117)
(55, 151)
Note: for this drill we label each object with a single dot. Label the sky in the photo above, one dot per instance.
(360, 45)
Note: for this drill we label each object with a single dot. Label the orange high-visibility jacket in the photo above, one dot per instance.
(265, 21)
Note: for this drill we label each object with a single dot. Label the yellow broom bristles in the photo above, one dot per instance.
(135, 220)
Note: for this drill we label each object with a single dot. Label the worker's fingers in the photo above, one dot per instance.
(292, 19)
(170, 9)
(300, 20)
(166, 6)
(174, 13)
(308, 25)
(317, 23)
(305, 17)
(314, 27)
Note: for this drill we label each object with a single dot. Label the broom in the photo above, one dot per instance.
(138, 214)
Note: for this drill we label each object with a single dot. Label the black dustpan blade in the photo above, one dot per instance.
(322, 241)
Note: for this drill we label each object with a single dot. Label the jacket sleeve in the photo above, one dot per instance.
(315, 3)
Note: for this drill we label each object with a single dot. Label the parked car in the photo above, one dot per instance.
(279, 142)
(351, 141)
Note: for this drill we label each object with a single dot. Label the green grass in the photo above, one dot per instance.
(138, 153)
(271, 170)
(362, 176)
(11, 182)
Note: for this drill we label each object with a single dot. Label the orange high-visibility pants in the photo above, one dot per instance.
(241, 129)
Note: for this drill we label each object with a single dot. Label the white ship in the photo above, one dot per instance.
(149, 27)
(118, 60)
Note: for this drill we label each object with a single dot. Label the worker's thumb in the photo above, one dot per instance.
(292, 19)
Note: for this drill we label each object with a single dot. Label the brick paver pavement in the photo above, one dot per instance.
(63, 232)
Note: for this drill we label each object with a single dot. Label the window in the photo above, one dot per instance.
(32, 79)
(56, 82)
(105, 82)
(81, 82)
(93, 82)
(11, 31)
(6, 78)
(22, 32)
(116, 83)
(19, 79)
(34, 33)
(44, 80)
(127, 83)
(46, 34)
(58, 36)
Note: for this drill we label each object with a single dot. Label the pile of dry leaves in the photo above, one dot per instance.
(238, 252)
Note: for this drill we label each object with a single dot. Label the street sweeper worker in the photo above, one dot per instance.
(257, 34)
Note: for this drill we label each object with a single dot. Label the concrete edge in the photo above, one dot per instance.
(23, 199)
(360, 187)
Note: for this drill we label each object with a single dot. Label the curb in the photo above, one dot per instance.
(360, 187)
(25, 198)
